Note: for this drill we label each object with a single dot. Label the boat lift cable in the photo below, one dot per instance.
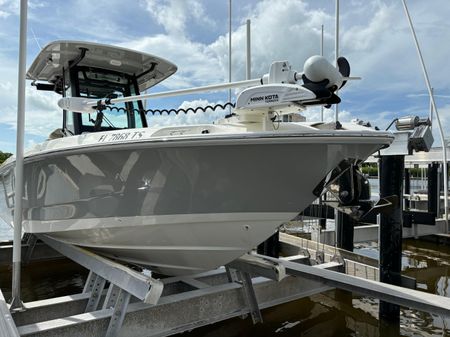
(392, 123)
(438, 119)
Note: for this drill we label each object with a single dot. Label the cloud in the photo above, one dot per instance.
(173, 15)
(444, 113)
(382, 50)
(42, 114)
(8, 7)
(366, 36)
(313, 114)
(201, 63)
(6, 86)
(200, 117)
(288, 31)
(427, 95)
(295, 38)
(6, 145)
(197, 63)
(374, 37)
(377, 43)
(11, 7)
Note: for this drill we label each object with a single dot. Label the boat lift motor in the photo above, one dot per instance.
(413, 134)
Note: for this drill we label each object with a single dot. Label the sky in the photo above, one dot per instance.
(193, 34)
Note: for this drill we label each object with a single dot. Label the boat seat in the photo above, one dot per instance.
(58, 133)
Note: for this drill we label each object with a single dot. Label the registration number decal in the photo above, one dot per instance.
(117, 137)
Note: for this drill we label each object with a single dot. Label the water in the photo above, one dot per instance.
(66, 278)
(6, 232)
(415, 185)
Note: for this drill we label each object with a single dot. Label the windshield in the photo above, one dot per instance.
(96, 83)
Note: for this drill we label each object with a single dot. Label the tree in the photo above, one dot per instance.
(4, 156)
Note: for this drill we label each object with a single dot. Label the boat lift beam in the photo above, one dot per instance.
(143, 287)
(413, 299)
(326, 273)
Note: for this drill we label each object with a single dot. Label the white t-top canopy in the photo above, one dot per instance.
(149, 69)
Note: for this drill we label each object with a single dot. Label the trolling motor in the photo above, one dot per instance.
(281, 91)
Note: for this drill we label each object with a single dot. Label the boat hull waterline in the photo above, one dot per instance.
(179, 208)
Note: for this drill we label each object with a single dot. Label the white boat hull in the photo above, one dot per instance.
(176, 244)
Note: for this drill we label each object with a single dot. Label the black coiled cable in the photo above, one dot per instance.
(176, 111)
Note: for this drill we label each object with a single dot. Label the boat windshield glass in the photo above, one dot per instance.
(95, 83)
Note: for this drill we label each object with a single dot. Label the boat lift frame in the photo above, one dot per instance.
(123, 282)
(135, 304)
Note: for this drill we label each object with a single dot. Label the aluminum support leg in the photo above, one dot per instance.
(96, 294)
(232, 274)
(249, 292)
(250, 297)
(120, 309)
(90, 281)
(111, 296)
